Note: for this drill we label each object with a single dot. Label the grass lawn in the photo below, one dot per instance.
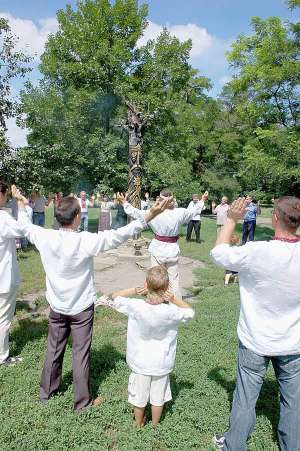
(202, 382)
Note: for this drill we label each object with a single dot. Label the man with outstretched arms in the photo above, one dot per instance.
(67, 258)
(164, 249)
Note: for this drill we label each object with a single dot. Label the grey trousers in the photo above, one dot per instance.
(250, 375)
(80, 327)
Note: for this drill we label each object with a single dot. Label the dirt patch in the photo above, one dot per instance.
(120, 269)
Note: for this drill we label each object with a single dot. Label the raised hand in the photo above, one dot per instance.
(121, 198)
(205, 196)
(16, 193)
(159, 206)
(237, 209)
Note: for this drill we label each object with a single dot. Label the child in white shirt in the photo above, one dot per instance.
(151, 340)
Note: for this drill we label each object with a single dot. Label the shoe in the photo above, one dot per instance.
(219, 442)
(12, 361)
(97, 401)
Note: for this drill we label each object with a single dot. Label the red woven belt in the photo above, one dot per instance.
(167, 239)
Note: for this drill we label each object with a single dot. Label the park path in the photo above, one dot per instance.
(119, 268)
(115, 270)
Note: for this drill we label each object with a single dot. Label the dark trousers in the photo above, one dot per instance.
(80, 327)
(248, 231)
(196, 225)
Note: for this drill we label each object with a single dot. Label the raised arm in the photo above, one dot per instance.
(128, 292)
(9, 227)
(32, 232)
(133, 212)
(109, 239)
(192, 210)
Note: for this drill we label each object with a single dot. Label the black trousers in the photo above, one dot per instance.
(196, 225)
(248, 231)
(80, 327)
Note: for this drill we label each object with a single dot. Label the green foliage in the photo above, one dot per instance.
(272, 162)
(94, 70)
(93, 65)
(268, 72)
(293, 3)
(12, 64)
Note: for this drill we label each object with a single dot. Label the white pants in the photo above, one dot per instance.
(7, 310)
(171, 266)
(142, 389)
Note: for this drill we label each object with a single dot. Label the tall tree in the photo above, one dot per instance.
(12, 64)
(96, 49)
(267, 68)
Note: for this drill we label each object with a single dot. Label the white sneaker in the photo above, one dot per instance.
(219, 441)
(12, 361)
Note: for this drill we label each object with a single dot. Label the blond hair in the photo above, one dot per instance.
(157, 283)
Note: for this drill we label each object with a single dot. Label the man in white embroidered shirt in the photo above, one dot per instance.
(164, 249)
(9, 276)
(269, 323)
(195, 222)
(67, 258)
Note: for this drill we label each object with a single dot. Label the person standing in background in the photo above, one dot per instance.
(221, 212)
(195, 222)
(84, 204)
(249, 225)
(39, 203)
(105, 218)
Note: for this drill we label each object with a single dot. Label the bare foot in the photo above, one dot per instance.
(97, 401)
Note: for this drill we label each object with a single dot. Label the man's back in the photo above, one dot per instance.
(269, 321)
(67, 258)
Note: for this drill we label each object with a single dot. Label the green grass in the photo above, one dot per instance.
(202, 382)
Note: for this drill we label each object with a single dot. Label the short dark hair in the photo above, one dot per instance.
(67, 210)
(3, 187)
(288, 210)
(166, 192)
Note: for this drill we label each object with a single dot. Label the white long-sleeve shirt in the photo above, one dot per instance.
(9, 270)
(198, 206)
(269, 322)
(151, 334)
(67, 258)
(168, 224)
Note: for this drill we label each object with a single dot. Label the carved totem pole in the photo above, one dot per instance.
(135, 126)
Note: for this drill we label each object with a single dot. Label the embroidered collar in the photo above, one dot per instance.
(287, 240)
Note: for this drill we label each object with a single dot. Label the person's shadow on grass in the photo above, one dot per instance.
(267, 404)
(103, 361)
(176, 387)
(27, 330)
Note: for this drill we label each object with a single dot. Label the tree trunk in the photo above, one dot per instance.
(135, 126)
